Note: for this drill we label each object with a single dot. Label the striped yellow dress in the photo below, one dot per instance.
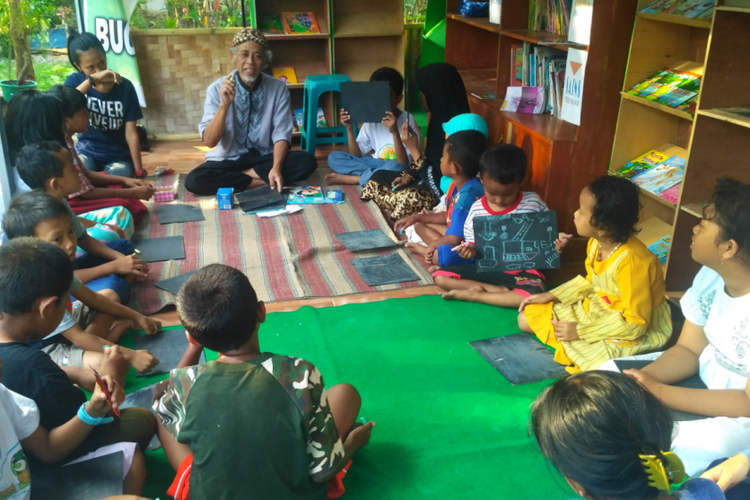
(619, 307)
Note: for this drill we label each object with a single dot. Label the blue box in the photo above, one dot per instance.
(224, 197)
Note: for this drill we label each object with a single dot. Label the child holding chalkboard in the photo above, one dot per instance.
(378, 146)
(619, 308)
(502, 169)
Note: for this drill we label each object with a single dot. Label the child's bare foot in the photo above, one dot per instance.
(416, 248)
(469, 295)
(335, 178)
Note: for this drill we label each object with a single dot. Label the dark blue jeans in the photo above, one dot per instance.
(113, 281)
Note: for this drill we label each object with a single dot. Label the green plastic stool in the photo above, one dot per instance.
(315, 86)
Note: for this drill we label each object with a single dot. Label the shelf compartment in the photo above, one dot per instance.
(653, 229)
(655, 105)
(674, 19)
(366, 18)
(311, 58)
(383, 51)
(480, 81)
(284, 37)
(545, 127)
(541, 36)
(470, 48)
(478, 22)
(725, 116)
(265, 8)
(694, 209)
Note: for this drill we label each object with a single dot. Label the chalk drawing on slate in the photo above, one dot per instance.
(520, 358)
(513, 242)
(365, 240)
(160, 249)
(384, 270)
(178, 213)
(143, 398)
(366, 102)
(173, 285)
(167, 346)
(694, 382)
(93, 479)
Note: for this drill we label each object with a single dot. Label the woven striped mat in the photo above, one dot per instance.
(286, 257)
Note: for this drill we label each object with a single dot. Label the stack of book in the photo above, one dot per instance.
(692, 9)
(534, 66)
(290, 23)
(552, 16)
(656, 173)
(671, 87)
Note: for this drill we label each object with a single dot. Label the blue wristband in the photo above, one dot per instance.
(89, 420)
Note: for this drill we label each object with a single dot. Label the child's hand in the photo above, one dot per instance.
(409, 137)
(134, 183)
(130, 264)
(730, 472)
(540, 298)
(151, 326)
(359, 438)
(467, 250)
(143, 192)
(98, 405)
(345, 119)
(143, 361)
(566, 331)
(402, 224)
(646, 381)
(401, 181)
(561, 241)
(390, 122)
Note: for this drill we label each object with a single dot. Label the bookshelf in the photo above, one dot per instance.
(715, 143)
(563, 158)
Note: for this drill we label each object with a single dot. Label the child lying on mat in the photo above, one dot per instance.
(502, 170)
(40, 215)
(443, 231)
(598, 428)
(619, 308)
(49, 415)
(210, 425)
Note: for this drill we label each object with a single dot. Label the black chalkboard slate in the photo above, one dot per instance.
(253, 199)
(143, 398)
(366, 102)
(384, 270)
(513, 242)
(173, 285)
(365, 240)
(694, 382)
(167, 346)
(178, 213)
(90, 480)
(160, 249)
(520, 358)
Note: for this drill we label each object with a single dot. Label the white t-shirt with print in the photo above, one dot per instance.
(726, 323)
(376, 137)
(19, 418)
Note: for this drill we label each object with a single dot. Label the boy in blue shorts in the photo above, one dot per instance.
(252, 423)
(441, 232)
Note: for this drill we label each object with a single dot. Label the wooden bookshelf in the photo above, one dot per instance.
(563, 158)
(366, 18)
(672, 18)
(655, 105)
(714, 143)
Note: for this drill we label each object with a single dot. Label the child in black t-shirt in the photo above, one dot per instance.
(35, 277)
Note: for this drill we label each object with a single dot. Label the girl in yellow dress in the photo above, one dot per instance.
(619, 308)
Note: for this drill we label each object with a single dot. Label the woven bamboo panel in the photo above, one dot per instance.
(175, 72)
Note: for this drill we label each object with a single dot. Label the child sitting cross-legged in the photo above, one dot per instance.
(619, 308)
(611, 439)
(441, 232)
(38, 214)
(502, 170)
(252, 423)
(48, 414)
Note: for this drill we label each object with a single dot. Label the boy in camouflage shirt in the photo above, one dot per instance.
(258, 425)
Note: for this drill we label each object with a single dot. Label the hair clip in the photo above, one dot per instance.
(662, 474)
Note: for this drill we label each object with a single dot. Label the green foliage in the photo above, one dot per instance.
(193, 14)
(48, 72)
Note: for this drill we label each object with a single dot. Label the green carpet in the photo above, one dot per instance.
(447, 424)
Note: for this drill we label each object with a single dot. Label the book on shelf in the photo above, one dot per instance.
(691, 8)
(672, 195)
(552, 16)
(286, 75)
(659, 6)
(670, 87)
(639, 165)
(581, 17)
(271, 25)
(662, 176)
(536, 66)
(572, 98)
(488, 95)
(516, 64)
(300, 118)
(660, 248)
(299, 23)
(307, 195)
(741, 112)
(524, 100)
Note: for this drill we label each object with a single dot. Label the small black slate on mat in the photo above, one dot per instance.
(90, 480)
(167, 346)
(366, 102)
(253, 199)
(173, 285)
(520, 358)
(170, 214)
(694, 382)
(365, 240)
(143, 398)
(384, 270)
(160, 249)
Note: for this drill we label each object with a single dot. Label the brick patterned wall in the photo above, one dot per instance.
(175, 72)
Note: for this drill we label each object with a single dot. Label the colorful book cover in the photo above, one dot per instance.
(648, 85)
(321, 119)
(689, 106)
(663, 176)
(490, 95)
(707, 14)
(673, 80)
(672, 195)
(661, 248)
(742, 112)
(300, 119)
(575, 71)
(677, 96)
(308, 195)
(516, 65)
(658, 6)
(692, 8)
(334, 196)
(286, 75)
(641, 164)
(300, 23)
(271, 25)
(524, 100)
